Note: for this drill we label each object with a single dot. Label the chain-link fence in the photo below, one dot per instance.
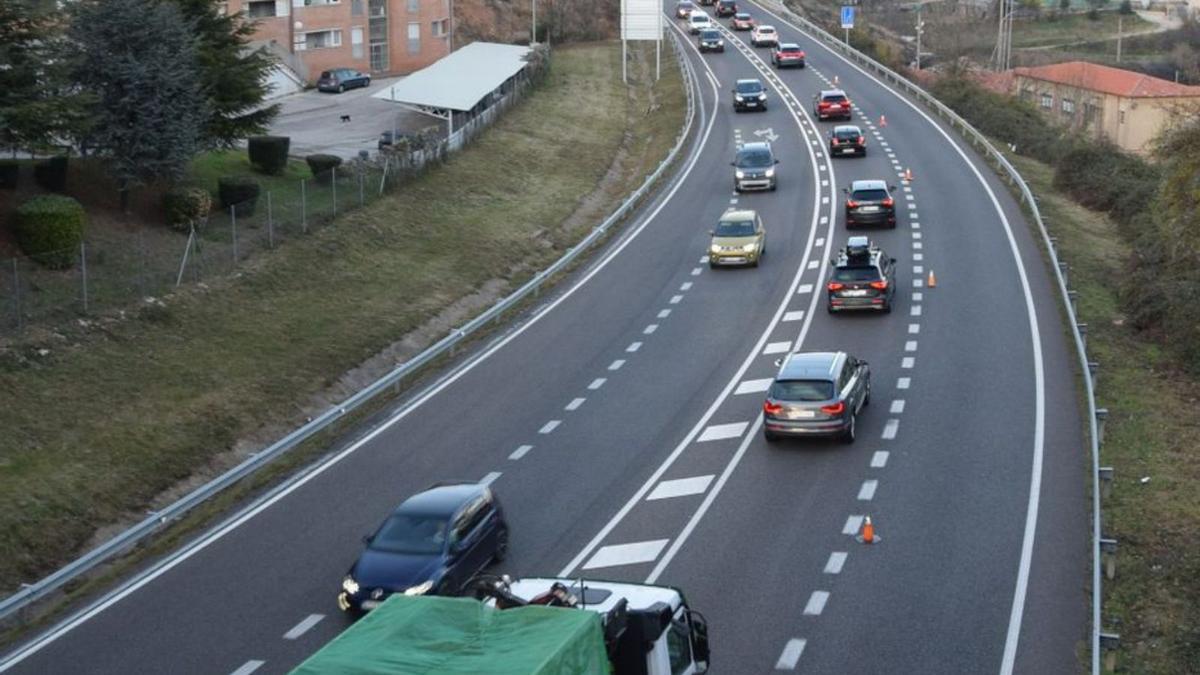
(116, 267)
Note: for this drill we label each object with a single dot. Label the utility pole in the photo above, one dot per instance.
(1120, 24)
(920, 29)
(533, 31)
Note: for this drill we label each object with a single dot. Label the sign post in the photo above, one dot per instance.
(641, 20)
(847, 22)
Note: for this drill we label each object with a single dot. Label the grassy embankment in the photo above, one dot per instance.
(113, 414)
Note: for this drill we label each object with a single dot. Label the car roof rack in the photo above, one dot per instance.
(859, 248)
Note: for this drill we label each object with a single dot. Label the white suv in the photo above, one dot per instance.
(698, 21)
(764, 36)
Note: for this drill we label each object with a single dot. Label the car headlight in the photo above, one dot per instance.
(420, 589)
(350, 585)
(762, 97)
(737, 97)
(750, 248)
(740, 174)
(770, 173)
(714, 249)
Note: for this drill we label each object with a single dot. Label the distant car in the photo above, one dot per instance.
(432, 544)
(739, 239)
(847, 139)
(711, 41)
(683, 9)
(754, 167)
(764, 36)
(699, 21)
(341, 79)
(726, 7)
(870, 202)
(742, 21)
(863, 278)
(749, 94)
(817, 394)
(788, 55)
(832, 104)
(707, 2)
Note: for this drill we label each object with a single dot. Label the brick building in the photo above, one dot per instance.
(381, 37)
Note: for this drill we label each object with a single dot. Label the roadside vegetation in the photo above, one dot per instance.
(1130, 232)
(103, 416)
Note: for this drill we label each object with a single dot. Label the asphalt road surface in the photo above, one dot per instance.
(637, 388)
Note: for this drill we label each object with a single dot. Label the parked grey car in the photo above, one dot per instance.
(341, 79)
(817, 394)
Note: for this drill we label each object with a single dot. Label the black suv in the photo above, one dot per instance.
(711, 41)
(749, 94)
(863, 277)
(817, 394)
(726, 7)
(754, 167)
(869, 202)
(832, 104)
(847, 139)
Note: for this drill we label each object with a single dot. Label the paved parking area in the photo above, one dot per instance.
(314, 122)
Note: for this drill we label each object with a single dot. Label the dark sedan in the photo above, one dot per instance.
(433, 543)
(341, 79)
(847, 139)
(870, 202)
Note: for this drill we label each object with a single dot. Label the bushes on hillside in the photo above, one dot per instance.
(239, 191)
(184, 205)
(269, 154)
(322, 166)
(10, 174)
(49, 228)
(1100, 176)
(52, 173)
(1002, 117)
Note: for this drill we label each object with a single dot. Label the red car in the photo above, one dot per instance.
(742, 21)
(787, 55)
(832, 104)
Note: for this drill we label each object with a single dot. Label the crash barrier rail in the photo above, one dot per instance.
(155, 521)
(1005, 169)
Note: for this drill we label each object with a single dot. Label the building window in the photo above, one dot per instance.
(318, 3)
(379, 57)
(356, 7)
(414, 38)
(1068, 106)
(440, 28)
(356, 42)
(261, 9)
(414, 6)
(1047, 101)
(377, 8)
(1121, 117)
(1090, 113)
(321, 39)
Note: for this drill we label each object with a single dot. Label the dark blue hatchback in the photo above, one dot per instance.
(433, 543)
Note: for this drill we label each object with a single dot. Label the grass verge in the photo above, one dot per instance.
(101, 419)
(1154, 510)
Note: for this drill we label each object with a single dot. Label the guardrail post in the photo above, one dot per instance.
(1108, 644)
(83, 273)
(233, 224)
(1053, 242)
(1063, 267)
(1101, 417)
(1073, 296)
(1082, 327)
(270, 223)
(1093, 372)
(1106, 481)
(333, 183)
(303, 206)
(1108, 547)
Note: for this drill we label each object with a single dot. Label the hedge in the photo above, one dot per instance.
(52, 173)
(240, 191)
(10, 174)
(49, 228)
(269, 154)
(322, 166)
(184, 205)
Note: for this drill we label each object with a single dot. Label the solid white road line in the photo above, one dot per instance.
(777, 347)
(633, 347)
(616, 365)
(302, 627)
(853, 523)
(816, 603)
(681, 487)
(490, 478)
(836, 560)
(549, 426)
(597, 383)
(794, 316)
(879, 459)
(520, 452)
(248, 667)
(574, 404)
(626, 554)
(890, 429)
(754, 386)
(720, 432)
(791, 654)
(897, 406)
(867, 492)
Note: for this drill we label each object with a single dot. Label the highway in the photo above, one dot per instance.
(619, 424)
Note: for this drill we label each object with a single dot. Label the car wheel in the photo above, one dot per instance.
(849, 434)
(770, 436)
(829, 308)
(773, 186)
(501, 546)
(341, 88)
(367, 82)
(887, 307)
(755, 263)
(867, 397)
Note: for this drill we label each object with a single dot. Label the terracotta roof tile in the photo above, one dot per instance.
(1109, 80)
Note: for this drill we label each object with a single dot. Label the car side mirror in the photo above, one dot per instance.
(368, 538)
(778, 362)
(776, 161)
(711, 232)
(845, 191)
(832, 261)
(892, 187)
(733, 164)
(892, 259)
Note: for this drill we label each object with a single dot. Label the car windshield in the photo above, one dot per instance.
(765, 30)
(789, 50)
(742, 16)
(833, 98)
(869, 195)
(801, 390)
(752, 159)
(325, 75)
(709, 35)
(404, 533)
(735, 228)
(847, 133)
(856, 274)
(751, 87)
(699, 18)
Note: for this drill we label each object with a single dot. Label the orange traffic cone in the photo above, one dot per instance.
(883, 120)
(932, 283)
(908, 175)
(868, 532)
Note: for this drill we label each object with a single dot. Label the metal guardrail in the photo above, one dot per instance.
(1006, 170)
(125, 540)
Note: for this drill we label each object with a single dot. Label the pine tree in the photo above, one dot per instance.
(233, 74)
(138, 58)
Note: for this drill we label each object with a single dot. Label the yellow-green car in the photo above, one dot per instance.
(739, 239)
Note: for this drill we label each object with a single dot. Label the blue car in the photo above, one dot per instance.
(432, 544)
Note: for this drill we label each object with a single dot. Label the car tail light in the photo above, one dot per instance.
(835, 286)
(889, 201)
(879, 285)
(851, 204)
(823, 104)
(801, 55)
(833, 141)
(862, 141)
(835, 409)
(772, 408)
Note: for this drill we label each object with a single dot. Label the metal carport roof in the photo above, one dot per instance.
(461, 80)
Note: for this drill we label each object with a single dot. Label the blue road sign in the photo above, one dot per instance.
(847, 17)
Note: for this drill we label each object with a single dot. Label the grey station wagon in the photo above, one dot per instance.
(817, 394)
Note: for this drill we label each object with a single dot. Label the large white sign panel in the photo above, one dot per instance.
(641, 20)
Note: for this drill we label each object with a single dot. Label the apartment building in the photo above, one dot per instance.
(383, 37)
(1128, 108)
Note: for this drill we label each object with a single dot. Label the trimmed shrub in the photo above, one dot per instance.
(240, 191)
(52, 173)
(184, 205)
(1101, 177)
(49, 228)
(322, 167)
(10, 174)
(269, 154)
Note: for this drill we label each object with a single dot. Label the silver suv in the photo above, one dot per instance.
(817, 394)
(754, 167)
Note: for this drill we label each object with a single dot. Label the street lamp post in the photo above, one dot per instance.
(920, 29)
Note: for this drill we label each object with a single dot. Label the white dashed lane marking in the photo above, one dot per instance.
(626, 554)
(633, 347)
(910, 346)
(719, 432)
(549, 426)
(907, 362)
(664, 313)
(685, 286)
(915, 310)
(903, 383)
(879, 459)
(574, 404)
(777, 347)
(616, 365)
(890, 429)
(867, 492)
(597, 383)
(914, 328)
(836, 560)
(816, 603)
(791, 654)
(302, 627)
(675, 299)
(490, 478)
(897, 406)
(248, 667)
(917, 297)
(696, 271)
(804, 288)
(650, 329)
(680, 487)
(852, 525)
(520, 452)
(754, 386)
